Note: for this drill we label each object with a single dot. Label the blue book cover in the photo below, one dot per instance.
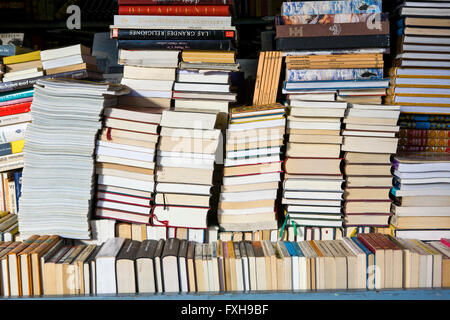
(334, 74)
(7, 50)
(16, 95)
(290, 248)
(331, 7)
(18, 183)
(297, 249)
(5, 149)
(336, 84)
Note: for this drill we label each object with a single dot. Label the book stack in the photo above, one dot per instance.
(312, 187)
(203, 82)
(334, 50)
(369, 261)
(423, 133)
(59, 156)
(422, 190)
(23, 66)
(185, 165)
(72, 59)
(252, 172)
(125, 157)
(421, 64)
(369, 141)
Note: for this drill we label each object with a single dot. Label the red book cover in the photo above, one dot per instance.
(15, 109)
(175, 10)
(174, 2)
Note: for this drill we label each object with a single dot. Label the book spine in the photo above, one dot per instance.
(334, 74)
(404, 149)
(175, 44)
(29, 83)
(371, 19)
(424, 142)
(340, 42)
(15, 109)
(172, 34)
(16, 95)
(424, 134)
(178, 10)
(182, 22)
(173, 2)
(330, 29)
(16, 101)
(7, 50)
(11, 148)
(424, 125)
(331, 7)
(422, 117)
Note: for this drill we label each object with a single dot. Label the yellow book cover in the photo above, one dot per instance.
(244, 109)
(17, 146)
(31, 56)
(393, 73)
(274, 118)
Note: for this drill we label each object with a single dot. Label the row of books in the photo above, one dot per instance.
(48, 265)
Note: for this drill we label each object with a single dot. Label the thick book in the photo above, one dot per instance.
(334, 74)
(29, 83)
(333, 42)
(330, 29)
(172, 34)
(175, 44)
(331, 7)
(175, 10)
(15, 109)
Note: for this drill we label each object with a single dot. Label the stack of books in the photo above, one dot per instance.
(185, 165)
(312, 187)
(421, 64)
(203, 82)
(422, 196)
(334, 50)
(125, 157)
(59, 169)
(72, 59)
(369, 141)
(423, 133)
(368, 261)
(252, 172)
(23, 66)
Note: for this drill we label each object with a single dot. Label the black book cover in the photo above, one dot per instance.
(173, 34)
(171, 248)
(159, 248)
(338, 42)
(242, 249)
(129, 250)
(29, 83)
(147, 249)
(175, 44)
(183, 249)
